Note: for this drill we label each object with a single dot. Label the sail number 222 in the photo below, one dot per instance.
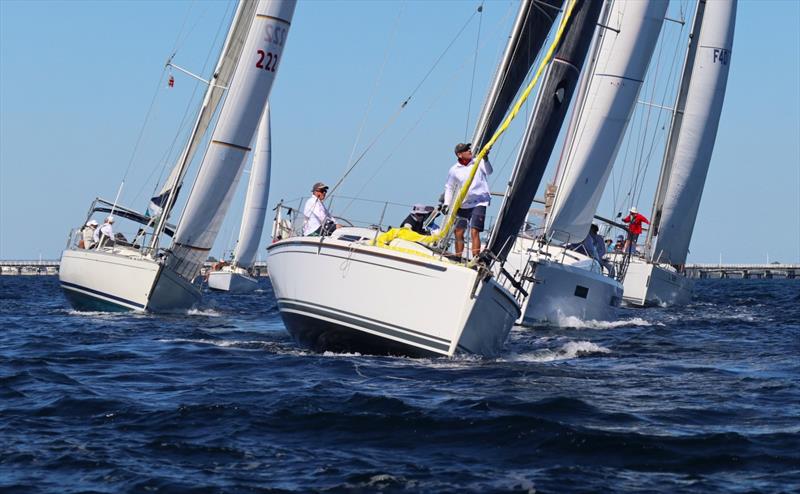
(271, 58)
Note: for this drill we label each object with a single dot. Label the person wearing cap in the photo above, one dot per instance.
(634, 230)
(619, 244)
(472, 212)
(87, 235)
(318, 220)
(416, 219)
(105, 232)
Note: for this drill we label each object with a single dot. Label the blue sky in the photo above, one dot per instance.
(77, 80)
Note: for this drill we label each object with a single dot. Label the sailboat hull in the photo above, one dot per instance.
(102, 280)
(649, 284)
(231, 281)
(339, 296)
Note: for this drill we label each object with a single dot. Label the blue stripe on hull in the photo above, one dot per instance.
(83, 298)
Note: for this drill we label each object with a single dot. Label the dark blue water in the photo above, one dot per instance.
(704, 398)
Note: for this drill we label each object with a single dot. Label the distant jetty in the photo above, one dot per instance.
(701, 271)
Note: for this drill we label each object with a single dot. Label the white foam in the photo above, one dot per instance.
(577, 323)
(218, 343)
(344, 354)
(570, 350)
(203, 312)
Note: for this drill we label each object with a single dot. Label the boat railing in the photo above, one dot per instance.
(127, 243)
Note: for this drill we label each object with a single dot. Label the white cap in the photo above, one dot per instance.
(633, 210)
(110, 219)
(91, 223)
(421, 209)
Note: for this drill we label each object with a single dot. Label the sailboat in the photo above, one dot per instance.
(236, 276)
(570, 283)
(396, 293)
(658, 278)
(141, 275)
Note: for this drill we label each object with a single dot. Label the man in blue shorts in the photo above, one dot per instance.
(472, 212)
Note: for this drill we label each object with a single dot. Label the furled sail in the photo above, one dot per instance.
(694, 137)
(231, 51)
(224, 159)
(533, 23)
(603, 113)
(255, 203)
(543, 128)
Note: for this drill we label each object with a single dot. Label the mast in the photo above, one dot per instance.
(225, 156)
(603, 115)
(674, 127)
(164, 201)
(543, 129)
(533, 22)
(255, 203)
(694, 141)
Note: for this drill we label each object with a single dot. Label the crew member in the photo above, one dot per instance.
(105, 233)
(318, 221)
(87, 234)
(416, 219)
(472, 212)
(635, 219)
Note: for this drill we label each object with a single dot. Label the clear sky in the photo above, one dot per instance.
(77, 80)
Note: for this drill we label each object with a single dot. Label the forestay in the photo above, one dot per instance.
(255, 203)
(224, 159)
(623, 55)
(694, 139)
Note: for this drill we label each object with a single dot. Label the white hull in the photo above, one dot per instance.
(562, 291)
(227, 280)
(100, 280)
(344, 296)
(649, 284)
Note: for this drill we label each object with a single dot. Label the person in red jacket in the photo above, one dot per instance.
(636, 220)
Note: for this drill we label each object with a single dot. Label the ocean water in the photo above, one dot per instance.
(704, 398)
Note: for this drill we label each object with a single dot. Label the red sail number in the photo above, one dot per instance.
(272, 61)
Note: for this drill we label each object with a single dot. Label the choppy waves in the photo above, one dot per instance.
(698, 399)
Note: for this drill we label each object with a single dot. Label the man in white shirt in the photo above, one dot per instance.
(105, 232)
(473, 209)
(316, 214)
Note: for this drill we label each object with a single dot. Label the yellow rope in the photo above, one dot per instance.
(384, 239)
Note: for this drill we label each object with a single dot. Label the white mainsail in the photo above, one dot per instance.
(224, 159)
(695, 136)
(255, 203)
(220, 79)
(603, 114)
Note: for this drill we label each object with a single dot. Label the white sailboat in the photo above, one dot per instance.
(564, 283)
(141, 275)
(236, 277)
(658, 278)
(393, 295)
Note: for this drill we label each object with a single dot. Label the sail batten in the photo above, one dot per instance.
(686, 164)
(602, 115)
(543, 127)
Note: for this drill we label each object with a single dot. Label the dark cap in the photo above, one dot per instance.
(461, 147)
(319, 186)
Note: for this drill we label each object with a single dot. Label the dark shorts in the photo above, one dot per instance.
(474, 217)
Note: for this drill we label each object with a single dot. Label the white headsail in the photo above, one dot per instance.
(255, 203)
(695, 136)
(603, 114)
(220, 79)
(224, 160)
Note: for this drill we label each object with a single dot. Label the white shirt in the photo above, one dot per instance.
(478, 193)
(315, 214)
(106, 230)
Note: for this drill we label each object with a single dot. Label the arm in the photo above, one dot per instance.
(626, 219)
(487, 166)
(644, 220)
(450, 188)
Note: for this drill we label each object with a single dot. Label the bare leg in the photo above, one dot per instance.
(459, 241)
(476, 241)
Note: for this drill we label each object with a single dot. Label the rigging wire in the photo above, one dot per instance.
(474, 67)
(403, 105)
(377, 81)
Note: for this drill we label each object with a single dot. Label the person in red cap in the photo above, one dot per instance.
(634, 230)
